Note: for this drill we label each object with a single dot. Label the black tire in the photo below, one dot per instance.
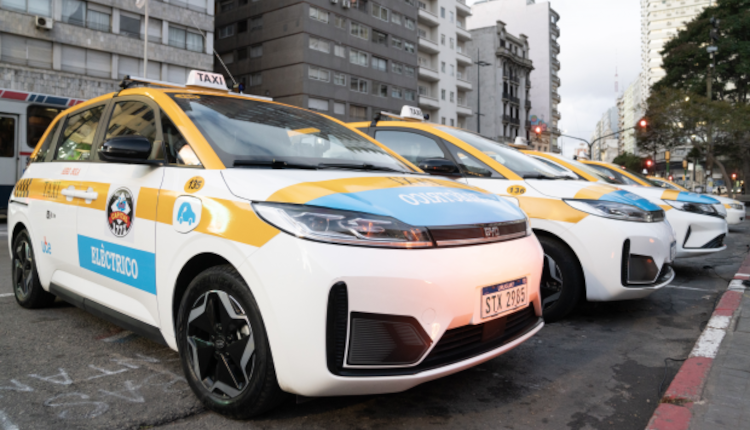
(25, 279)
(563, 284)
(214, 343)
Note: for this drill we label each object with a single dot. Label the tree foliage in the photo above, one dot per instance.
(631, 161)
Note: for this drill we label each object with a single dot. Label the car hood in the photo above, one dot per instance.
(413, 199)
(582, 190)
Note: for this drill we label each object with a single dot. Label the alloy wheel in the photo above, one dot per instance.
(221, 344)
(23, 268)
(552, 282)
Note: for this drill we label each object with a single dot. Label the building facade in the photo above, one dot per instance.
(660, 21)
(538, 21)
(445, 62)
(82, 49)
(604, 139)
(502, 87)
(631, 107)
(349, 59)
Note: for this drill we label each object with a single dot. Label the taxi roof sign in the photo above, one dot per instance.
(411, 112)
(198, 78)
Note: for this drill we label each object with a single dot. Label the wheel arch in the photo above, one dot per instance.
(548, 234)
(194, 266)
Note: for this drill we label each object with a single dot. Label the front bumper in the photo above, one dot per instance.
(697, 234)
(440, 288)
(735, 216)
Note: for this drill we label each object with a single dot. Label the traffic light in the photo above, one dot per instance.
(713, 33)
(538, 131)
(671, 178)
(643, 124)
(734, 176)
(649, 163)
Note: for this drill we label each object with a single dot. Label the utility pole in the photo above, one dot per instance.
(713, 37)
(479, 64)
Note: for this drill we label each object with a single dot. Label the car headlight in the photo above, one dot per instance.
(615, 210)
(343, 227)
(697, 208)
(737, 206)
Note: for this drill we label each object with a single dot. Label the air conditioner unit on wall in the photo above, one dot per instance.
(346, 4)
(43, 22)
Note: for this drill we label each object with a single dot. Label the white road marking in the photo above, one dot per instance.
(719, 321)
(121, 335)
(6, 423)
(6, 294)
(708, 343)
(680, 287)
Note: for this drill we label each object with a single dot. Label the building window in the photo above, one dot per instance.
(379, 38)
(339, 79)
(442, 12)
(397, 93)
(381, 90)
(27, 52)
(33, 7)
(317, 104)
(318, 74)
(452, 16)
(452, 122)
(442, 120)
(442, 94)
(256, 23)
(181, 38)
(130, 25)
(194, 42)
(358, 57)
(410, 96)
(453, 43)
(452, 97)
(409, 71)
(227, 6)
(242, 26)
(339, 108)
(359, 30)
(380, 64)
(256, 79)
(442, 39)
(396, 18)
(380, 12)
(339, 21)
(453, 70)
(224, 32)
(339, 51)
(358, 112)
(410, 24)
(318, 14)
(86, 61)
(134, 67)
(256, 51)
(320, 45)
(397, 68)
(409, 47)
(397, 43)
(227, 58)
(442, 66)
(242, 54)
(358, 85)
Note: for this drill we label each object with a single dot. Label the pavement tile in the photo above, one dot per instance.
(741, 341)
(724, 415)
(737, 361)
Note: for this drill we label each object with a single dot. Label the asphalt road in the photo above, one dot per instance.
(600, 369)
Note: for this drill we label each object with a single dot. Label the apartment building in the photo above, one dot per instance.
(502, 86)
(538, 22)
(444, 61)
(632, 107)
(74, 49)
(605, 137)
(348, 58)
(660, 21)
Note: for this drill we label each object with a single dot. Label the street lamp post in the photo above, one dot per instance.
(479, 64)
(591, 144)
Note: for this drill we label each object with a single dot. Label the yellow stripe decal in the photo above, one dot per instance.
(594, 192)
(727, 205)
(50, 190)
(670, 195)
(549, 209)
(665, 207)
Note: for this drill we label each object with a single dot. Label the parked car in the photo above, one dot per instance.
(735, 209)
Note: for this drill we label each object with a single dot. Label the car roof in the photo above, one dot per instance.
(619, 169)
(564, 163)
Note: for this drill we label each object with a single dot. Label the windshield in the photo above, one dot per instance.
(642, 178)
(601, 175)
(252, 133)
(513, 159)
(667, 185)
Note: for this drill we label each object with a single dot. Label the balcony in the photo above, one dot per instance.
(554, 30)
(556, 114)
(427, 17)
(463, 110)
(528, 104)
(554, 46)
(463, 85)
(463, 59)
(428, 46)
(555, 64)
(556, 97)
(427, 102)
(556, 81)
(512, 78)
(428, 74)
(462, 9)
(511, 120)
(461, 32)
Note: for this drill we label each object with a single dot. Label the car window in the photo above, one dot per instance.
(606, 177)
(132, 118)
(7, 137)
(41, 155)
(471, 166)
(178, 150)
(247, 132)
(557, 167)
(617, 176)
(412, 146)
(78, 135)
(518, 162)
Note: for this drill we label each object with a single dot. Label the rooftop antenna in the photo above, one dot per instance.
(205, 38)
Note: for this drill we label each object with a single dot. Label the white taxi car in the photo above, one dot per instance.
(276, 249)
(735, 209)
(600, 243)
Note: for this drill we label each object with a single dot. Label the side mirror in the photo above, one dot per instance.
(128, 150)
(440, 167)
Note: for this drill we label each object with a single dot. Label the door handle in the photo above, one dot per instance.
(89, 195)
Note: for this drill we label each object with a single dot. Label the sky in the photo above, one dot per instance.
(596, 36)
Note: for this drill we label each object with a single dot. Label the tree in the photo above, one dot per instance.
(631, 161)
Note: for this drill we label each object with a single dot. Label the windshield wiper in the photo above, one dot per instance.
(363, 166)
(273, 164)
(539, 176)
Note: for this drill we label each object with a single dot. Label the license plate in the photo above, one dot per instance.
(503, 298)
(672, 251)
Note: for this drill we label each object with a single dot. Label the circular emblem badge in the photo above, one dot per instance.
(120, 212)
(194, 184)
(516, 190)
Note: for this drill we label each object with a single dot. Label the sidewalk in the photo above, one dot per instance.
(711, 391)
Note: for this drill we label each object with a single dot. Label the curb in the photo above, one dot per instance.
(674, 410)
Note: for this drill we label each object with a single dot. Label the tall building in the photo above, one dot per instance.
(78, 49)
(349, 59)
(632, 107)
(502, 86)
(660, 21)
(444, 61)
(538, 21)
(605, 142)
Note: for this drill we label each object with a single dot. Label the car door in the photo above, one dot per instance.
(8, 144)
(117, 237)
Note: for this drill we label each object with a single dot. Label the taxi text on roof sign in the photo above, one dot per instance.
(197, 78)
(411, 112)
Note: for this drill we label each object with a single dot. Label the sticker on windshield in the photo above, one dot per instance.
(516, 190)
(120, 212)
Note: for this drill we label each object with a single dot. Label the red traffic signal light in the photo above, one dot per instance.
(538, 130)
(649, 163)
(671, 178)
(643, 123)
(734, 176)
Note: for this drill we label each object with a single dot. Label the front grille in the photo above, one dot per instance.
(462, 343)
(479, 233)
(716, 242)
(386, 340)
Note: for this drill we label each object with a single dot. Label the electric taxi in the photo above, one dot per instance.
(698, 220)
(275, 248)
(735, 209)
(600, 243)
